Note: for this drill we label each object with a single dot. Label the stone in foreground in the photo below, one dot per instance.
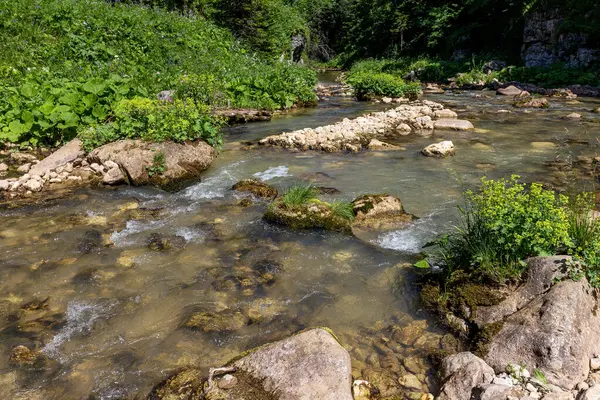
(308, 366)
(461, 373)
(442, 149)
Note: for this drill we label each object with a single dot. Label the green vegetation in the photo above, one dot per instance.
(298, 195)
(343, 209)
(367, 85)
(158, 165)
(506, 222)
(551, 77)
(66, 66)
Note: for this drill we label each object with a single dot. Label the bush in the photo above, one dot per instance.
(551, 77)
(156, 121)
(370, 84)
(56, 54)
(584, 230)
(503, 224)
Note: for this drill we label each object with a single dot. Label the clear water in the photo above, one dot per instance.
(113, 324)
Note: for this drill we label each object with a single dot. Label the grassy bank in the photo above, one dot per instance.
(67, 67)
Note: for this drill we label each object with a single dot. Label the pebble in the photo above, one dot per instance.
(34, 185)
(69, 168)
(74, 178)
(4, 184)
(53, 175)
(3, 167)
(227, 382)
(55, 180)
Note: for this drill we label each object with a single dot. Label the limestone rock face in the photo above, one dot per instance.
(461, 373)
(543, 325)
(310, 365)
(135, 157)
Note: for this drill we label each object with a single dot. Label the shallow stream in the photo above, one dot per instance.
(112, 326)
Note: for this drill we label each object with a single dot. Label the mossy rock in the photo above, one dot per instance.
(532, 102)
(182, 385)
(256, 187)
(379, 212)
(312, 215)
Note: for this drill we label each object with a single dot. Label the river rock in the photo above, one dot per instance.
(113, 176)
(445, 114)
(375, 144)
(34, 185)
(4, 185)
(22, 355)
(3, 167)
(181, 161)
(555, 332)
(22, 158)
(311, 215)
(592, 393)
(461, 373)
(379, 212)
(441, 149)
(64, 155)
(24, 168)
(307, 366)
(535, 102)
(512, 91)
(256, 187)
(573, 116)
(222, 321)
(453, 124)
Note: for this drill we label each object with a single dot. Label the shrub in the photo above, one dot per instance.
(584, 230)
(298, 195)
(156, 121)
(503, 224)
(368, 84)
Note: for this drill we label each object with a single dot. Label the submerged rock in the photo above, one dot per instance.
(221, 321)
(22, 355)
(256, 187)
(453, 124)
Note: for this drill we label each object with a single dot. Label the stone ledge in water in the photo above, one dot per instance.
(379, 212)
(353, 135)
(453, 124)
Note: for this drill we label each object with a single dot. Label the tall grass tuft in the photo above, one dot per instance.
(343, 209)
(299, 194)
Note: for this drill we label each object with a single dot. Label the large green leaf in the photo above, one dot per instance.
(70, 99)
(100, 111)
(28, 90)
(89, 100)
(94, 86)
(47, 107)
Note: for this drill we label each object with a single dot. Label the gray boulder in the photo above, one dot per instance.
(310, 365)
(453, 124)
(553, 328)
(461, 373)
(66, 154)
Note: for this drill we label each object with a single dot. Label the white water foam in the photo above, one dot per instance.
(123, 238)
(190, 234)
(273, 172)
(80, 317)
(215, 186)
(411, 239)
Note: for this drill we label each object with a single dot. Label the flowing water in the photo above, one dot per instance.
(112, 325)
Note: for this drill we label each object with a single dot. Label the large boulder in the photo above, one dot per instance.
(545, 325)
(441, 149)
(66, 154)
(461, 373)
(512, 91)
(138, 160)
(311, 215)
(310, 365)
(379, 212)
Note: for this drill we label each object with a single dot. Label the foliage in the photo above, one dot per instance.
(367, 84)
(540, 376)
(298, 195)
(56, 54)
(343, 209)
(158, 165)
(502, 224)
(156, 121)
(584, 230)
(554, 76)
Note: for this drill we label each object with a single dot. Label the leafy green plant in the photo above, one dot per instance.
(584, 230)
(343, 209)
(501, 225)
(367, 85)
(540, 376)
(158, 166)
(156, 121)
(298, 195)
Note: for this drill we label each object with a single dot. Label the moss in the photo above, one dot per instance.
(484, 337)
(314, 215)
(366, 202)
(256, 187)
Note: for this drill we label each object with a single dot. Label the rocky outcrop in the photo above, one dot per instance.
(379, 212)
(353, 135)
(544, 325)
(544, 43)
(164, 164)
(312, 215)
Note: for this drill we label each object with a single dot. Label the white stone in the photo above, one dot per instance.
(4, 185)
(441, 149)
(97, 168)
(227, 382)
(69, 168)
(55, 180)
(3, 167)
(34, 185)
(109, 164)
(595, 363)
(502, 381)
(24, 168)
(74, 178)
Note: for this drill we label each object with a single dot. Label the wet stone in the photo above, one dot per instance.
(227, 382)
(90, 241)
(222, 321)
(22, 355)
(257, 188)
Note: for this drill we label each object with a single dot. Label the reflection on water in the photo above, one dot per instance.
(129, 272)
